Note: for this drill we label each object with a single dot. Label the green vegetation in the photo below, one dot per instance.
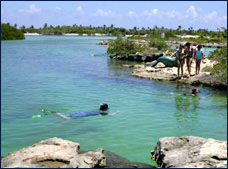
(11, 33)
(126, 46)
(219, 69)
(121, 46)
(205, 35)
(158, 43)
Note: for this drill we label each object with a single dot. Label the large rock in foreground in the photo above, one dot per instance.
(54, 153)
(190, 152)
(59, 153)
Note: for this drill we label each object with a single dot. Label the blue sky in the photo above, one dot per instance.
(128, 14)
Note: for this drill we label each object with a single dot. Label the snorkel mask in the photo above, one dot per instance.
(104, 107)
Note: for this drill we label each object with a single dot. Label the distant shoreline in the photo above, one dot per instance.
(68, 34)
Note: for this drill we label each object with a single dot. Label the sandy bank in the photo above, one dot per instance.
(32, 34)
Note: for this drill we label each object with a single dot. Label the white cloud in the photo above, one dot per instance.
(32, 9)
(58, 8)
(213, 17)
(191, 11)
(101, 12)
(199, 9)
(131, 14)
(150, 13)
(79, 9)
(171, 14)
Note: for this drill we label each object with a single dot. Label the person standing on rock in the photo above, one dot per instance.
(198, 56)
(189, 57)
(102, 111)
(180, 61)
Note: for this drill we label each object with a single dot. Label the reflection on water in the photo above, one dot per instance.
(186, 106)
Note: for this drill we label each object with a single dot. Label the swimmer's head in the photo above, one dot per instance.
(104, 107)
(194, 91)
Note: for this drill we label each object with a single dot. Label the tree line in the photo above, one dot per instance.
(111, 30)
(155, 32)
(11, 33)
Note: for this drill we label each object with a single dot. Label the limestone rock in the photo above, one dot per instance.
(116, 161)
(54, 153)
(190, 152)
(162, 73)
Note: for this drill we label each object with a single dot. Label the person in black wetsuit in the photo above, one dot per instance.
(103, 111)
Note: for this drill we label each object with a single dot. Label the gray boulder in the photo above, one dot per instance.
(190, 152)
(115, 161)
(54, 153)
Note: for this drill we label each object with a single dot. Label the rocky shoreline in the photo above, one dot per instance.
(170, 43)
(162, 73)
(187, 151)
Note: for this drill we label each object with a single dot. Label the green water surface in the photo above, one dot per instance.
(58, 73)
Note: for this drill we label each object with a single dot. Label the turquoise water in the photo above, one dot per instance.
(58, 73)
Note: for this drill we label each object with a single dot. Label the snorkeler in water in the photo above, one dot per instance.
(103, 110)
(194, 92)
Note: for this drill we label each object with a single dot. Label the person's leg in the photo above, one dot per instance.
(199, 62)
(196, 67)
(178, 69)
(182, 69)
(188, 66)
(190, 63)
(62, 116)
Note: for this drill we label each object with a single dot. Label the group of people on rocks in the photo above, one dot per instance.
(189, 53)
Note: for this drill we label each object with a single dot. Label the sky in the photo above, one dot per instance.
(127, 14)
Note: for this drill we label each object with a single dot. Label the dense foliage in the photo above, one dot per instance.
(122, 46)
(155, 32)
(220, 69)
(158, 43)
(11, 33)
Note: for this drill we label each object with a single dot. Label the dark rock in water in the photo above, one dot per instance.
(115, 161)
(190, 152)
(140, 57)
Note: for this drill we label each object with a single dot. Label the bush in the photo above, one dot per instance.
(220, 69)
(121, 46)
(11, 33)
(160, 44)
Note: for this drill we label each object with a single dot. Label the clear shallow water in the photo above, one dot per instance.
(58, 73)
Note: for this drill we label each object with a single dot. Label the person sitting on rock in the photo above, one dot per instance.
(194, 92)
(102, 111)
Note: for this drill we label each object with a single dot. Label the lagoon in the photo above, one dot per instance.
(58, 73)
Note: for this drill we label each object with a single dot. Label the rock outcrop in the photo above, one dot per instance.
(115, 161)
(59, 153)
(54, 153)
(140, 57)
(190, 152)
(162, 73)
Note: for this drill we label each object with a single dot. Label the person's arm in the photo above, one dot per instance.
(62, 116)
(203, 57)
(194, 55)
(112, 114)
